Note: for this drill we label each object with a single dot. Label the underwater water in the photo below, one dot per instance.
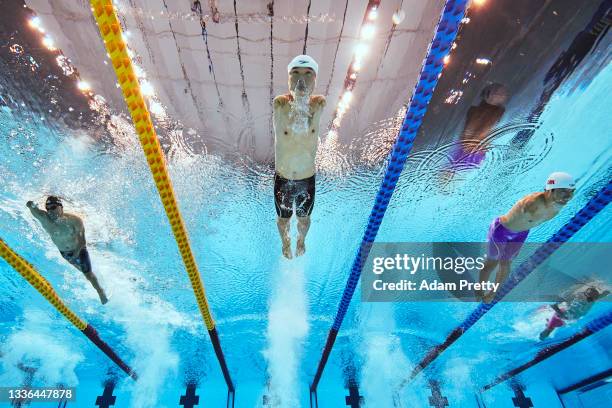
(273, 314)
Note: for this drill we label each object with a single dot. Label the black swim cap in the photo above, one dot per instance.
(53, 200)
(592, 293)
(494, 88)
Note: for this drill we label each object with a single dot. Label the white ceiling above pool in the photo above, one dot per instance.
(227, 102)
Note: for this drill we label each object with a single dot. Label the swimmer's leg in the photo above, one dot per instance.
(304, 206)
(83, 263)
(504, 271)
(546, 332)
(485, 274)
(500, 278)
(303, 226)
(283, 229)
(94, 282)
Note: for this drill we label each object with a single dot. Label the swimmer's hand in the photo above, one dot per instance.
(31, 204)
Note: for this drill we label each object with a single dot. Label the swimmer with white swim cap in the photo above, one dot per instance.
(296, 135)
(508, 232)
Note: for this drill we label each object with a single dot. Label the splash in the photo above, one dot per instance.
(530, 325)
(39, 346)
(287, 328)
(461, 380)
(148, 324)
(300, 113)
(385, 364)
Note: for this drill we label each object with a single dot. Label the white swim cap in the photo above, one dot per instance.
(303, 61)
(560, 179)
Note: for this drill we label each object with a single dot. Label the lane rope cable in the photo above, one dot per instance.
(112, 35)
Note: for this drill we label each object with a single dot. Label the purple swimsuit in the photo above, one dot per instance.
(462, 158)
(504, 244)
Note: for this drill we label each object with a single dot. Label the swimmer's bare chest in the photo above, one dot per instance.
(519, 220)
(295, 149)
(543, 214)
(64, 235)
(296, 155)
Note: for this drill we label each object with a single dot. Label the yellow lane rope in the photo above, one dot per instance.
(110, 30)
(35, 279)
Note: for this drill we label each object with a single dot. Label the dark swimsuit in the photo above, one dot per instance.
(286, 192)
(81, 261)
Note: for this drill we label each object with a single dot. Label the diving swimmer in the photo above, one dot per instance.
(68, 234)
(296, 135)
(573, 308)
(508, 233)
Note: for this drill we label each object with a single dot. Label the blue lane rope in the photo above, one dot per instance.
(446, 32)
(590, 210)
(600, 323)
(592, 327)
(453, 13)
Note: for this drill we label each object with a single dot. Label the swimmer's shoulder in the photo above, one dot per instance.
(73, 219)
(532, 202)
(318, 101)
(282, 101)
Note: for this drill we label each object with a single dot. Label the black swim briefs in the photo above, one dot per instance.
(81, 260)
(286, 192)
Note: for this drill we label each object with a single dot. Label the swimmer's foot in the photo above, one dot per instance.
(445, 178)
(300, 247)
(287, 249)
(488, 298)
(103, 298)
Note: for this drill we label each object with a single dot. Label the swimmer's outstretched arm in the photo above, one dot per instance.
(39, 214)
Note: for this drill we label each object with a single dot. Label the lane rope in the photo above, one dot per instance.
(592, 327)
(110, 29)
(445, 34)
(29, 273)
(582, 217)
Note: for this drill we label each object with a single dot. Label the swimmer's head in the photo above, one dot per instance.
(302, 71)
(561, 186)
(54, 207)
(591, 294)
(495, 94)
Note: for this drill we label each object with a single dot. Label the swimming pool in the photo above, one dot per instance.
(273, 315)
